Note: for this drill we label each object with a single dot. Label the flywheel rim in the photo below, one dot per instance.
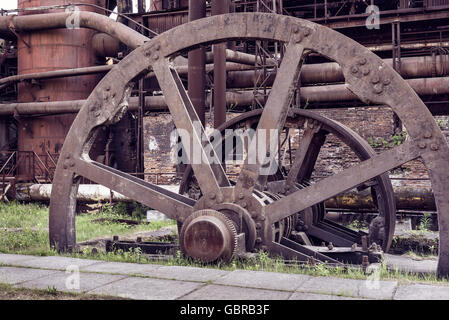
(367, 76)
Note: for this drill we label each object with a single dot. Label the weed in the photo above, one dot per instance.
(52, 290)
(426, 222)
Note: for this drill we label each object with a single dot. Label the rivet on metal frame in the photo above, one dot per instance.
(375, 79)
(378, 89)
(422, 145)
(434, 147)
(386, 81)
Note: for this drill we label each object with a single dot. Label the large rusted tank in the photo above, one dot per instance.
(49, 50)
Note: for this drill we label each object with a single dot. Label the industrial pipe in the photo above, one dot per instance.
(407, 198)
(416, 67)
(90, 20)
(240, 57)
(423, 87)
(56, 74)
(182, 70)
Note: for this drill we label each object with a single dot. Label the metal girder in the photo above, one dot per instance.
(366, 75)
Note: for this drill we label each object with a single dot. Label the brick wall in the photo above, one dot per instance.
(374, 124)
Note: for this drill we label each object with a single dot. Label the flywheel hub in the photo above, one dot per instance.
(208, 235)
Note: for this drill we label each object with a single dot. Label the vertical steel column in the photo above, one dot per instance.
(4, 134)
(140, 151)
(141, 7)
(197, 64)
(124, 6)
(219, 50)
(396, 42)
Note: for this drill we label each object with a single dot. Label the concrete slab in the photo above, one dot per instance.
(422, 292)
(57, 263)
(121, 268)
(69, 282)
(316, 296)
(219, 292)
(13, 259)
(350, 287)
(148, 289)
(263, 280)
(407, 264)
(13, 275)
(188, 273)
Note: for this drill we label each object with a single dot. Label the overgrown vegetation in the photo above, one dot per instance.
(8, 292)
(33, 239)
(394, 140)
(24, 227)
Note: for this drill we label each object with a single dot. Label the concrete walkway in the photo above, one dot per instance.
(156, 282)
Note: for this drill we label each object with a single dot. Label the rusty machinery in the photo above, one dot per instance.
(257, 211)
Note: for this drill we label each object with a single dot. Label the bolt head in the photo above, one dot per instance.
(378, 89)
(295, 29)
(366, 71)
(362, 61)
(244, 204)
(354, 69)
(386, 81)
(155, 57)
(375, 79)
(427, 134)
(422, 145)
(212, 196)
(434, 147)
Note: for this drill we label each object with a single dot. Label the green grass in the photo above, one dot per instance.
(33, 219)
(9, 292)
(33, 239)
(263, 262)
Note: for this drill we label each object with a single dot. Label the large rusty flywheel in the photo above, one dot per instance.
(257, 209)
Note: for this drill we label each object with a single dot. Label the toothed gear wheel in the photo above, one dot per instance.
(208, 235)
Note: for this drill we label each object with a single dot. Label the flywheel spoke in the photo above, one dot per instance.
(200, 152)
(341, 182)
(301, 153)
(272, 121)
(169, 203)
